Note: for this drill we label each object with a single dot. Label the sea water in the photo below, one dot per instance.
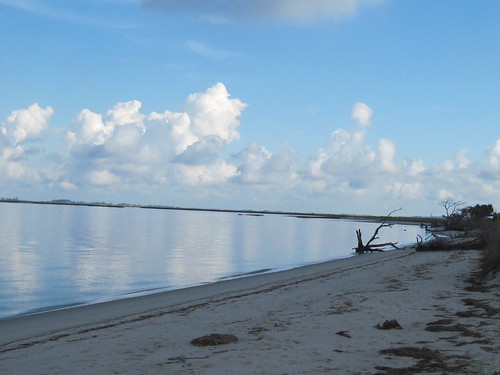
(54, 256)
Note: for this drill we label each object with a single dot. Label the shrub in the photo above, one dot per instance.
(490, 262)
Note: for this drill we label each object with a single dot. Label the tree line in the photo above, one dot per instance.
(459, 217)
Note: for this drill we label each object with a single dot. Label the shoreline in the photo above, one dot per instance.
(41, 323)
(410, 220)
(318, 318)
(169, 289)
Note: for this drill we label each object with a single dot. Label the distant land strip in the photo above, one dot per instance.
(311, 215)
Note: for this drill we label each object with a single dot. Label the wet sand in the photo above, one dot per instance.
(310, 320)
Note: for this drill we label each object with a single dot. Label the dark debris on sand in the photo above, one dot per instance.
(389, 324)
(428, 361)
(214, 339)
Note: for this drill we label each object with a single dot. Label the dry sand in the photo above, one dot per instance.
(310, 320)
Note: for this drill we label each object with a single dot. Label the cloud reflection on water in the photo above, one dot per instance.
(58, 255)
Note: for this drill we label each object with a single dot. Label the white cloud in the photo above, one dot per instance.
(387, 156)
(493, 154)
(205, 151)
(12, 171)
(344, 155)
(124, 150)
(445, 194)
(414, 168)
(20, 127)
(103, 177)
(309, 11)
(205, 114)
(94, 129)
(210, 52)
(300, 11)
(127, 113)
(256, 165)
(26, 123)
(409, 191)
(362, 114)
(14, 152)
(179, 129)
(254, 156)
(179, 147)
(461, 159)
(349, 167)
(199, 175)
(67, 185)
(213, 113)
(89, 129)
(67, 11)
(125, 138)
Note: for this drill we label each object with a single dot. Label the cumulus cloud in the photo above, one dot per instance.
(204, 151)
(344, 153)
(460, 161)
(127, 113)
(95, 129)
(414, 167)
(20, 127)
(301, 11)
(493, 154)
(348, 166)
(254, 158)
(409, 191)
(67, 185)
(195, 175)
(26, 123)
(260, 166)
(362, 114)
(126, 146)
(387, 156)
(103, 177)
(213, 113)
(126, 149)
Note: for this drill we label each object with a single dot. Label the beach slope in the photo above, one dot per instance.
(374, 313)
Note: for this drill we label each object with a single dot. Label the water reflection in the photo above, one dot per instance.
(19, 276)
(62, 255)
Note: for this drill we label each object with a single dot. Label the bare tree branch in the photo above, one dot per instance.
(451, 207)
(369, 247)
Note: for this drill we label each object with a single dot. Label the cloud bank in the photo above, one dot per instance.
(124, 150)
(125, 146)
(16, 131)
(299, 11)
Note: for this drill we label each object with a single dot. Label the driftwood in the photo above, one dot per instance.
(446, 243)
(369, 246)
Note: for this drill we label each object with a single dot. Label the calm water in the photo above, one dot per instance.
(54, 256)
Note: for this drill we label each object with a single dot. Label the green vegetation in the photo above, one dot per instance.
(478, 212)
(480, 221)
(467, 218)
(490, 263)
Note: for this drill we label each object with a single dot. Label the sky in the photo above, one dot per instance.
(331, 106)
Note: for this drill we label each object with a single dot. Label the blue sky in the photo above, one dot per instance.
(342, 106)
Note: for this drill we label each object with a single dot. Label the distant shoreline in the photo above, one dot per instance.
(303, 215)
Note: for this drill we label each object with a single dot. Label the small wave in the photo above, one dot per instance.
(246, 273)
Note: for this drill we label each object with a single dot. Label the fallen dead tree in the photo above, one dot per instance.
(440, 243)
(371, 247)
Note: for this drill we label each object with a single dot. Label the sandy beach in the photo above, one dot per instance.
(310, 320)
